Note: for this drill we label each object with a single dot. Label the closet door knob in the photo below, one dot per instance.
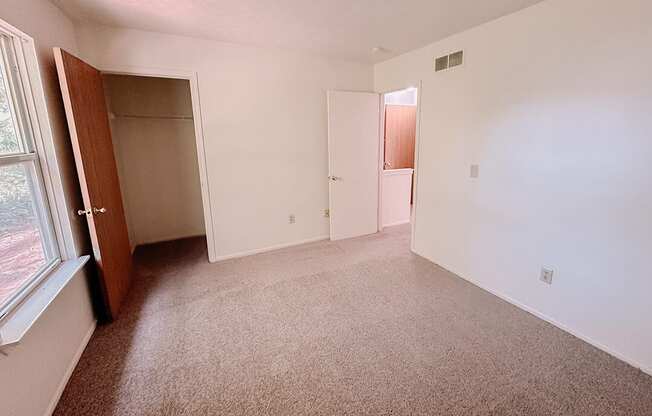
(99, 210)
(84, 211)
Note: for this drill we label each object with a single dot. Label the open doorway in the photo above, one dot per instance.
(154, 140)
(372, 155)
(158, 146)
(397, 163)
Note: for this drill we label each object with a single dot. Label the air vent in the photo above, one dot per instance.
(449, 61)
(455, 59)
(441, 63)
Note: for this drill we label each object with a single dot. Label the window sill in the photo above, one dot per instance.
(14, 327)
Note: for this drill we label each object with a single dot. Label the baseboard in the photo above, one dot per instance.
(646, 370)
(270, 248)
(397, 223)
(70, 369)
(167, 238)
(548, 319)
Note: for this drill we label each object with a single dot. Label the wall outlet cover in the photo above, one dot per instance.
(546, 275)
(475, 171)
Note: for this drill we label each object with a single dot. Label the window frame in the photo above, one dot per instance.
(30, 114)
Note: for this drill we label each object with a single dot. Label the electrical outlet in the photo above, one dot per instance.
(292, 219)
(546, 275)
(327, 213)
(475, 171)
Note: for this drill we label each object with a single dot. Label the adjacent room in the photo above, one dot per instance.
(399, 150)
(281, 207)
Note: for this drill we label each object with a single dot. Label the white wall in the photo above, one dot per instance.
(264, 121)
(154, 139)
(554, 104)
(32, 376)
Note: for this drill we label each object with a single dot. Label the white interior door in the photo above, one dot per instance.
(353, 146)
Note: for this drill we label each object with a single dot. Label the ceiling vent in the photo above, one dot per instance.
(449, 61)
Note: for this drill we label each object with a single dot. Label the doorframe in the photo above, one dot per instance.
(192, 77)
(381, 158)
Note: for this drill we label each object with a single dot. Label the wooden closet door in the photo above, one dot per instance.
(90, 134)
(400, 136)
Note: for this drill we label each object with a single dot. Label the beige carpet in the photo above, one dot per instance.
(355, 327)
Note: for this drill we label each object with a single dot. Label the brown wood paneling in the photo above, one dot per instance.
(88, 122)
(400, 136)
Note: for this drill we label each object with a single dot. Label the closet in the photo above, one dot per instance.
(153, 134)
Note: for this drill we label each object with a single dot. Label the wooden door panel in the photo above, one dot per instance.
(400, 136)
(88, 122)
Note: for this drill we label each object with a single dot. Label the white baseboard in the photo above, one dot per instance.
(270, 248)
(70, 369)
(551, 321)
(397, 223)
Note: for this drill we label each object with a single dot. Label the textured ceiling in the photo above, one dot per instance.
(346, 29)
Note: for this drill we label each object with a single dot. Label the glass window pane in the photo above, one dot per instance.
(22, 252)
(9, 140)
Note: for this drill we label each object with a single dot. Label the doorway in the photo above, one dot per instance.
(107, 167)
(353, 128)
(152, 127)
(397, 165)
(372, 156)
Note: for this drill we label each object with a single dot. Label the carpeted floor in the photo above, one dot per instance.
(354, 327)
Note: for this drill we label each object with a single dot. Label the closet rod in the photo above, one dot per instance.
(151, 117)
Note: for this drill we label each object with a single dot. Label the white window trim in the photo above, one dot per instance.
(43, 142)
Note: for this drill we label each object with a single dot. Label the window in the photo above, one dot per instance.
(28, 247)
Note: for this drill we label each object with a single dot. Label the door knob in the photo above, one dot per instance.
(84, 211)
(99, 210)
